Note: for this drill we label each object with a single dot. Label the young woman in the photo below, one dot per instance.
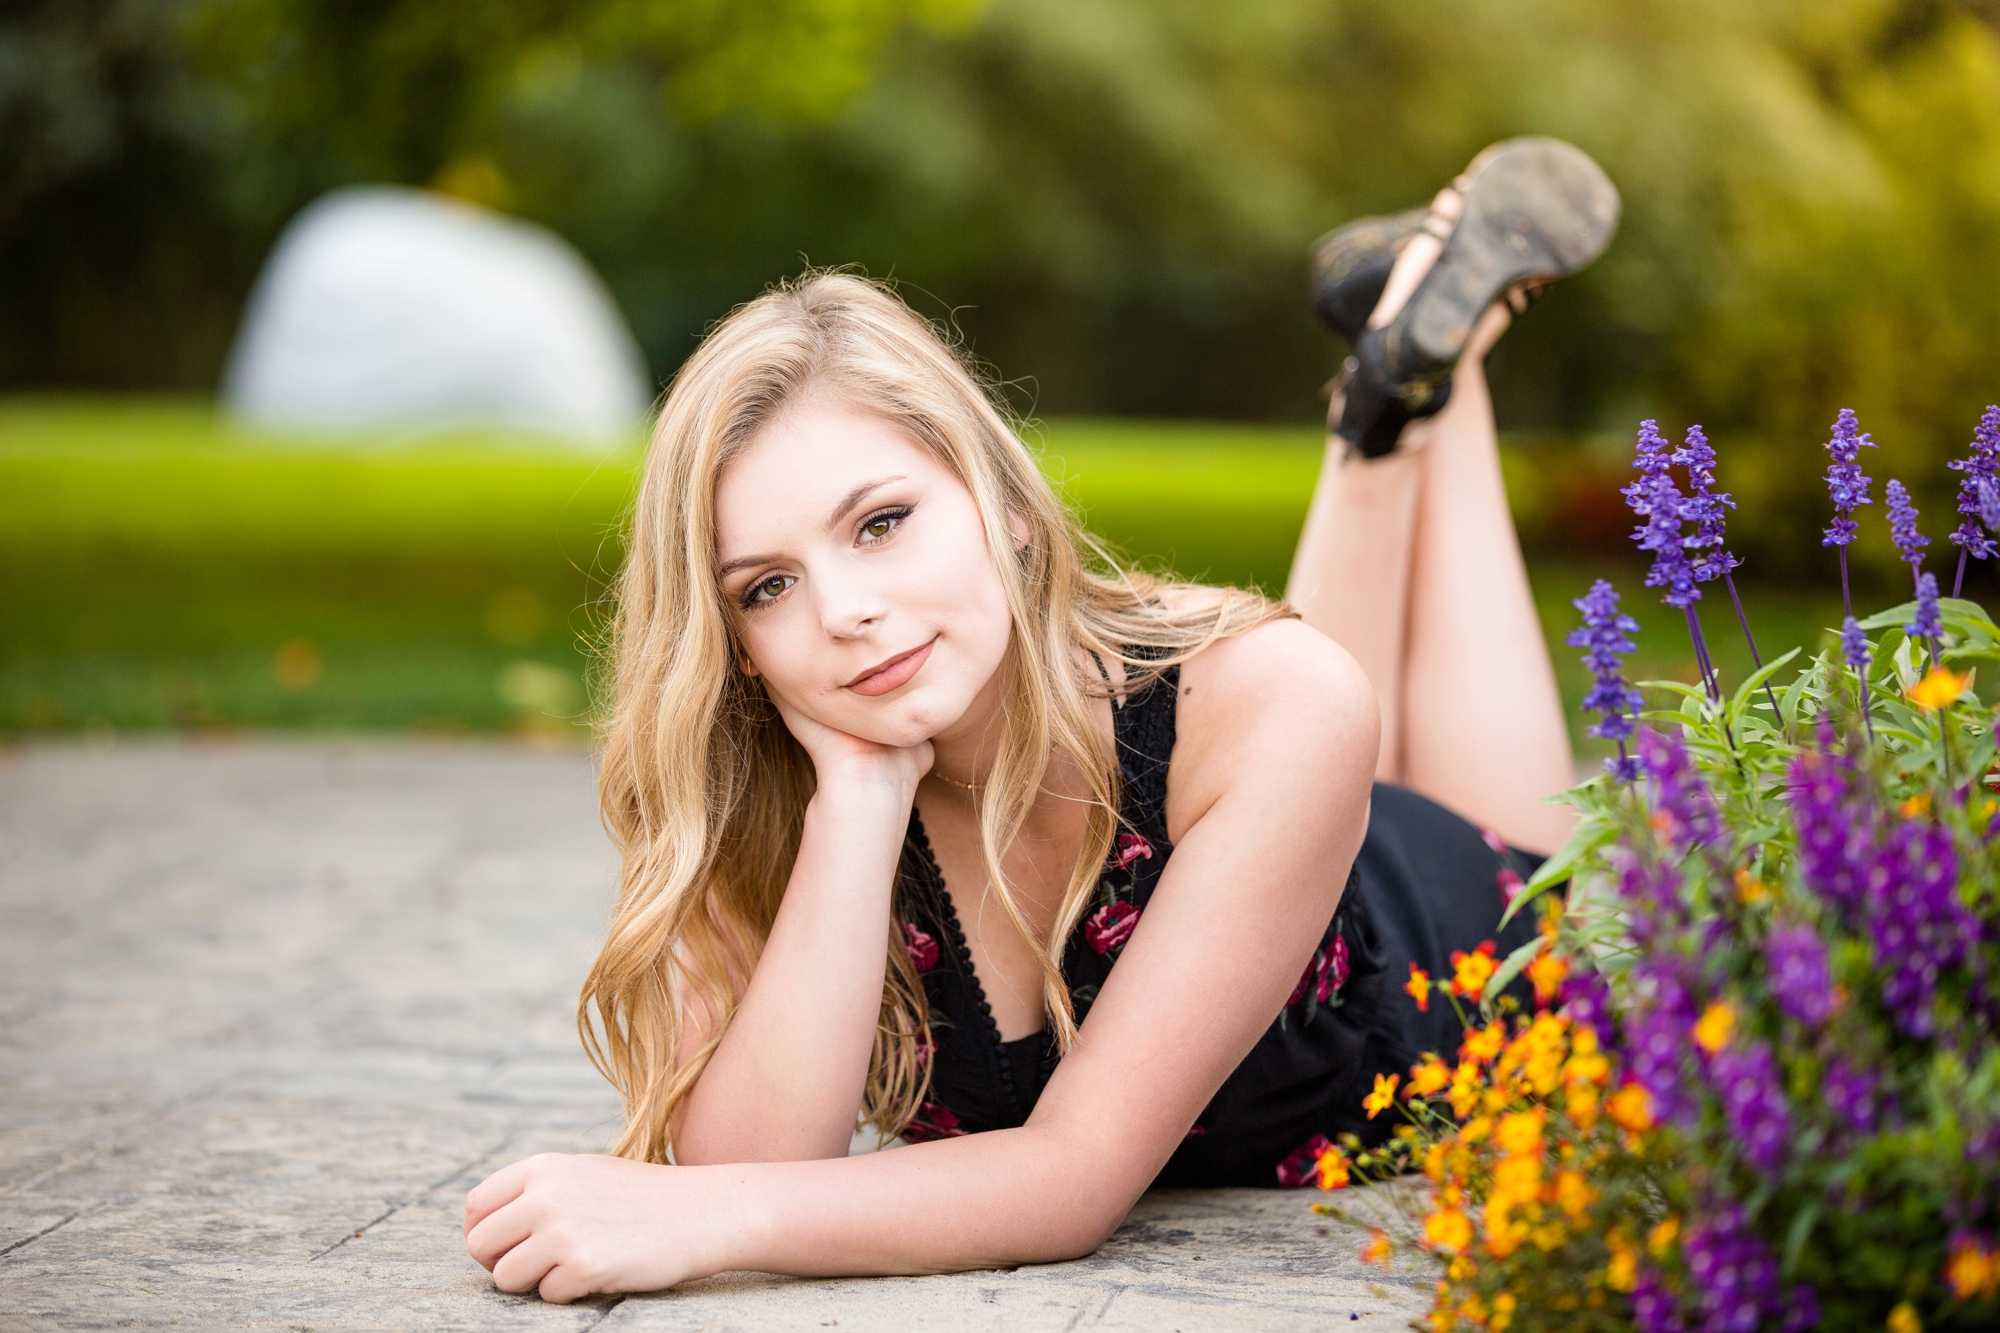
(934, 819)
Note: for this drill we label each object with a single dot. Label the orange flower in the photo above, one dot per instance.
(1573, 1195)
(1449, 1229)
(1972, 1269)
(1429, 1078)
(1622, 1274)
(1471, 971)
(1939, 688)
(1715, 1027)
(1419, 988)
(1484, 1044)
(1333, 1166)
(1465, 1089)
(1377, 1250)
(1903, 1319)
(1660, 1240)
(1384, 1095)
(1916, 807)
(1547, 972)
(1631, 1107)
(1521, 1133)
(1750, 889)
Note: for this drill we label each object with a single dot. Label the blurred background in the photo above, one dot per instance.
(1110, 200)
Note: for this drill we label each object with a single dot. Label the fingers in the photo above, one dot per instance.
(525, 1266)
(499, 1234)
(496, 1191)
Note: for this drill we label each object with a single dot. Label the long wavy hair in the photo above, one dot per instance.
(703, 788)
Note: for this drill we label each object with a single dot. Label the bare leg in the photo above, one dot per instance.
(1412, 564)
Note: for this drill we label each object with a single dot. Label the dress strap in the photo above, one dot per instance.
(1144, 732)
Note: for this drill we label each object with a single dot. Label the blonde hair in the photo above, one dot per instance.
(704, 789)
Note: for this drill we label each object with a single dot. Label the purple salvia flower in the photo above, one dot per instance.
(1903, 527)
(1836, 830)
(1604, 634)
(1680, 797)
(1586, 998)
(1981, 465)
(1801, 1309)
(1657, 1039)
(1654, 1306)
(1855, 646)
(1988, 499)
(1850, 1092)
(1845, 481)
(1704, 508)
(1746, 1079)
(1733, 1280)
(1917, 924)
(1661, 534)
(1796, 970)
(1653, 459)
(1929, 623)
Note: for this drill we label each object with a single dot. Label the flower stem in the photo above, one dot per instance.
(1958, 579)
(1846, 601)
(1755, 656)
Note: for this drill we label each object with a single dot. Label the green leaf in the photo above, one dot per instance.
(1516, 962)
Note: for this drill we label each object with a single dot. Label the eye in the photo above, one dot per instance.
(878, 526)
(767, 590)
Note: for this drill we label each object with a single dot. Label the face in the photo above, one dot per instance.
(864, 592)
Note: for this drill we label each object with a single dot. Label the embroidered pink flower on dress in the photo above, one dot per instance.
(1332, 969)
(1110, 926)
(923, 948)
(1303, 1165)
(925, 1044)
(1493, 840)
(1132, 847)
(1510, 886)
(933, 1122)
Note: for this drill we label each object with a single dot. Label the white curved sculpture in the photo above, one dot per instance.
(392, 308)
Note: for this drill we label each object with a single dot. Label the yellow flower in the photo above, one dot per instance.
(1573, 1195)
(1549, 1236)
(1631, 1108)
(1419, 988)
(1384, 1095)
(1972, 1270)
(1429, 1078)
(1476, 1129)
(1521, 1133)
(1750, 889)
(1434, 1161)
(1333, 1166)
(1449, 1229)
(1903, 1319)
(1473, 1309)
(1547, 972)
(1716, 1026)
(1916, 807)
(1582, 1105)
(1622, 1273)
(1503, 1311)
(1471, 971)
(1516, 1180)
(1378, 1248)
(1465, 1089)
(1661, 1238)
(1939, 688)
(1483, 1045)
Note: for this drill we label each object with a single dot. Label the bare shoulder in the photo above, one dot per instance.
(1280, 709)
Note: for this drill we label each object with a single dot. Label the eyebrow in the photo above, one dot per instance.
(847, 503)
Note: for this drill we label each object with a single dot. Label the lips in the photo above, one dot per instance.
(893, 673)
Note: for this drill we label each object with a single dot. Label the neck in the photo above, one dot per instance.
(962, 754)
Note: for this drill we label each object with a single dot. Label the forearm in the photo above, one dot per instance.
(1032, 1195)
(786, 1082)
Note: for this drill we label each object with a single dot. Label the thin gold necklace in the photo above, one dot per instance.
(967, 786)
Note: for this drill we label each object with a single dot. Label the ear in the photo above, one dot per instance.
(1017, 528)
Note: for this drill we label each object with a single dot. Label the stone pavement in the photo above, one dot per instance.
(268, 1008)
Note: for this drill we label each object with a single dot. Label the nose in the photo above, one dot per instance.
(848, 600)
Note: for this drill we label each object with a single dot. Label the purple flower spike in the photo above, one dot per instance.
(1980, 468)
(1851, 1093)
(1903, 527)
(1705, 509)
(1746, 1078)
(1845, 481)
(1855, 645)
(1795, 963)
(1836, 829)
(1654, 1306)
(1605, 633)
(1988, 499)
(1732, 1274)
(1680, 798)
(1928, 624)
(1657, 1039)
(1918, 925)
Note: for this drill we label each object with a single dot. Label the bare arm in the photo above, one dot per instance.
(1269, 803)
(786, 1083)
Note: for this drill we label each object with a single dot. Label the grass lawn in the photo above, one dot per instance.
(160, 568)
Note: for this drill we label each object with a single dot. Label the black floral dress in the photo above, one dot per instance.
(1426, 883)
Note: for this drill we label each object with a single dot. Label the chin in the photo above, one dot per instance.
(908, 721)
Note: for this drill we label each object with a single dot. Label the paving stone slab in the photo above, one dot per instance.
(268, 1009)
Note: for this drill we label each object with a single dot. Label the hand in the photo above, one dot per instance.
(577, 1225)
(844, 760)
